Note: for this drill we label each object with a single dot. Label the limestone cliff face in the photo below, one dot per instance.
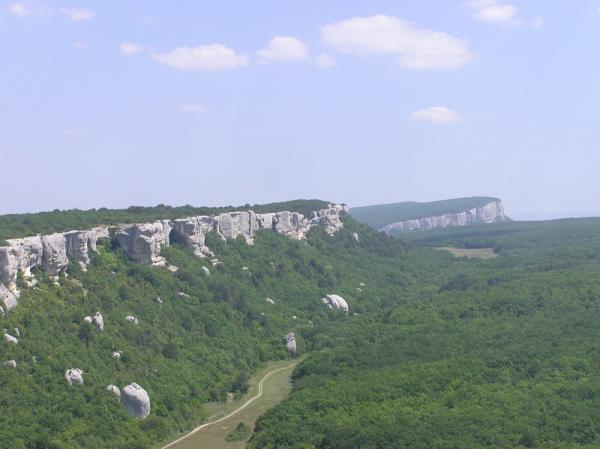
(142, 242)
(491, 212)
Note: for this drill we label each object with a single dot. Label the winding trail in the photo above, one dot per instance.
(236, 411)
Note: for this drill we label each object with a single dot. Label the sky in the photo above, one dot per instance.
(117, 103)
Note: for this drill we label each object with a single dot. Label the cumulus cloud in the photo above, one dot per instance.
(494, 11)
(194, 108)
(436, 114)
(325, 61)
(78, 14)
(204, 57)
(128, 49)
(415, 48)
(27, 9)
(284, 48)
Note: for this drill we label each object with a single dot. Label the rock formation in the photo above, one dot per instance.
(290, 342)
(97, 320)
(142, 242)
(10, 339)
(74, 376)
(135, 400)
(113, 389)
(10, 364)
(335, 302)
(491, 212)
(131, 319)
(206, 271)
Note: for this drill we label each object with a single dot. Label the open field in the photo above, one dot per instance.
(476, 253)
(267, 388)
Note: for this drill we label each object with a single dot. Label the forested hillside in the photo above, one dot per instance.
(502, 353)
(436, 352)
(380, 215)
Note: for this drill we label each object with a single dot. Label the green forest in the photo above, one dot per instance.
(380, 215)
(436, 352)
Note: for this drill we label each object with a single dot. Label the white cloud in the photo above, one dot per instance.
(416, 48)
(193, 108)
(284, 48)
(437, 114)
(78, 15)
(325, 61)
(28, 9)
(538, 22)
(128, 49)
(494, 11)
(204, 57)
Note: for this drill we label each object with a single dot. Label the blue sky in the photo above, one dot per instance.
(116, 103)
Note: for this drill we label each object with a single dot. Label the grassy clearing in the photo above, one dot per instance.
(274, 389)
(475, 253)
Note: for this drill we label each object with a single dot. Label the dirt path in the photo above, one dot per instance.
(203, 437)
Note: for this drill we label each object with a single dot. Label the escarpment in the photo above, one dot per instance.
(491, 212)
(142, 242)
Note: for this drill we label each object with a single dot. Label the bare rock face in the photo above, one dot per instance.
(335, 302)
(113, 389)
(191, 232)
(135, 400)
(491, 212)
(55, 259)
(7, 297)
(21, 255)
(74, 376)
(142, 242)
(80, 243)
(233, 224)
(330, 218)
(290, 342)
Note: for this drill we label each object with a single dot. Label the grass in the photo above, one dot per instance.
(275, 389)
(475, 253)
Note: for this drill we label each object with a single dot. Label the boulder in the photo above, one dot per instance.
(132, 319)
(159, 300)
(206, 271)
(355, 237)
(335, 302)
(117, 354)
(135, 400)
(17, 332)
(269, 301)
(10, 339)
(74, 376)
(113, 389)
(10, 364)
(290, 342)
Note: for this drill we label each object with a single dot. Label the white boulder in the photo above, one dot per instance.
(206, 271)
(10, 339)
(113, 389)
(74, 376)
(269, 301)
(10, 364)
(132, 319)
(335, 302)
(135, 400)
(290, 342)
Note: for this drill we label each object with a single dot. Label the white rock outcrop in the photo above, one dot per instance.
(491, 212)
(131, 319)
(135, 400)
(355, 237)
(10, 339)
(97, 320)
(116, 354)
(290, 342)
(10, 364)
(142, 242)
(7, 298)
(74, 376)
(206, 271)
(113, 389)
(79, 244)
(335, 302)
(191, 232)
(269, 301)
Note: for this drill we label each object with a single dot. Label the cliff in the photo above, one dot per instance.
(142, 242)
(491, 212)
